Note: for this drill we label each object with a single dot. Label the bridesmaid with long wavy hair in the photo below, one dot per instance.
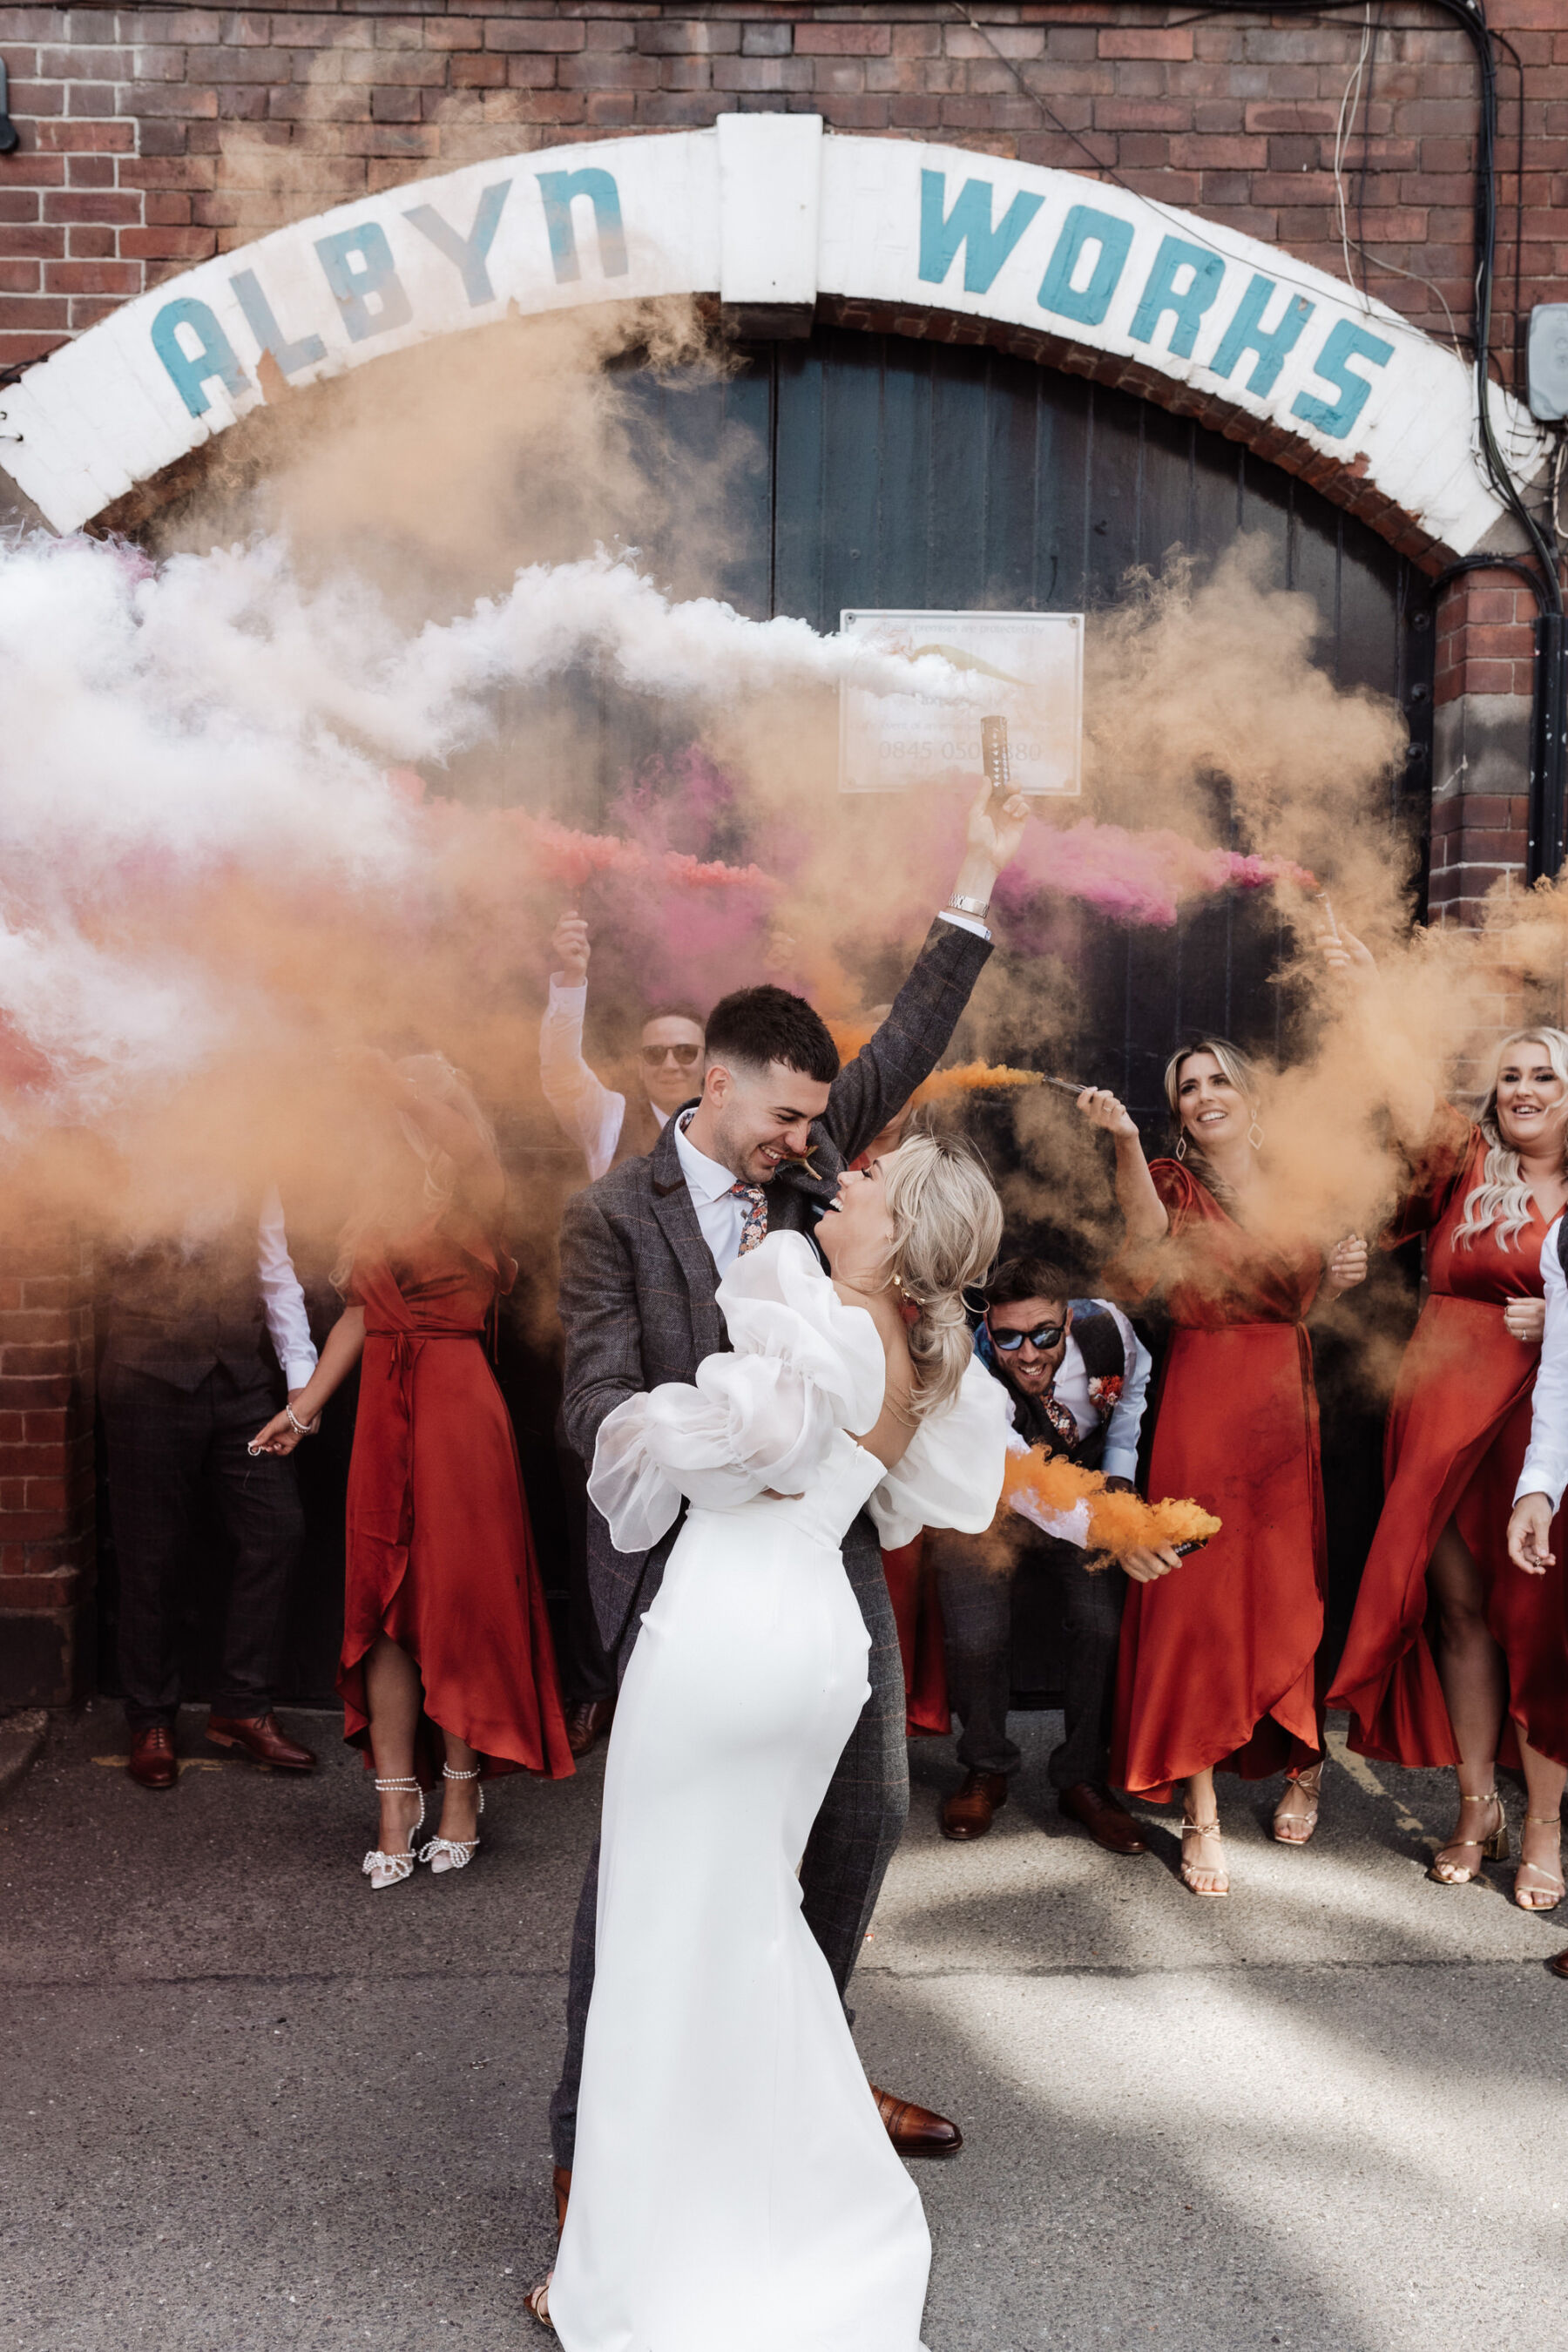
(1217, 1664)
(447, 1671)
(1454, 1655)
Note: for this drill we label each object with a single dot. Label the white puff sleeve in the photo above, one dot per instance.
(951, 1475)
(804, 1365)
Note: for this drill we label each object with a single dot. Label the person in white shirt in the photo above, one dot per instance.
(608, 1126)
(202, 1332)
(1076, 1376)
(1539, 1494)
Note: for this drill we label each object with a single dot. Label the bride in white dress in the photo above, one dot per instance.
(734, 2187)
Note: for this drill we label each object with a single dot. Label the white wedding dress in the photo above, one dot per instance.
(733, 2188)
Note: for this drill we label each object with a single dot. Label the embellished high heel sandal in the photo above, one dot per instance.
(453, 1853)
(1295, 1829)
(1191, 1871)
(1489, 1849)
(537, 2302)
(392, 1869)
(1547, 1892)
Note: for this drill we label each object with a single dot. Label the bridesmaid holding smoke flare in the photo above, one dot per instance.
(1454, 1655)
(446, 1658)
(1217, 1660)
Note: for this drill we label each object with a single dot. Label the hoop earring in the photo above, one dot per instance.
(1255, 1136)
(1181, 1144)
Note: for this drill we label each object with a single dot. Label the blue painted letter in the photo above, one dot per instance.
(358, 264)
(191, 372)
(969, 224)
(1246, 333)
(1087, 304)
(264, 326)
(1344, 343)
(468, 254)
(1160, 295)
(558, 189)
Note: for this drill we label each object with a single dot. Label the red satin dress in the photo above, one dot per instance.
(1456, 1438)
(1216, 1663)
(440, 1556)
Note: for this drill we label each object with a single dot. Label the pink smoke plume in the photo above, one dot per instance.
(1138, 878)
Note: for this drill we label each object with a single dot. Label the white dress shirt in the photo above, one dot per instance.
(1545, 1470)
(720, 1212)
(586, 1110)
(282, 1300)
(1070, 1388)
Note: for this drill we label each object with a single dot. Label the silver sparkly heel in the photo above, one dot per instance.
(453, 1853)
(392, 1869)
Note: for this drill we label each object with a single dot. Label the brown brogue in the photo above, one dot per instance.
(561, 2181)
(917, 2131)
(151, 1763)
(587, 1720)
(1558, 1964)
(967, 1813)
(1107, 1823)
(263, 1737)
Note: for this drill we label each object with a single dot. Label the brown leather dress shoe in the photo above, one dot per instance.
(918, 2131)
(967, 1812)
(262, 1737)
(151, 1761)
(1107, 1823)
(1558, 1964)
(587, 1720)
(561, 2181)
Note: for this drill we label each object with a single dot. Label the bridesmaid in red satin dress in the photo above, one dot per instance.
(1455, 1656)
(447, 1658)
(1217, 1660)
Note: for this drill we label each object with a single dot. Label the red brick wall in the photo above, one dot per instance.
(153, 138)
(46, 1466)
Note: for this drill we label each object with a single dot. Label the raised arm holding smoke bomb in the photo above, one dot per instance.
(446, 1671)
(1217, 1662)
(642, 1251)
(606, 1125)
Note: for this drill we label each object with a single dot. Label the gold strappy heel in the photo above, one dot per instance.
(1295, 1829)
(537, 2303)
(1552, 1889)
(1491, 1849)
(1201, 1828)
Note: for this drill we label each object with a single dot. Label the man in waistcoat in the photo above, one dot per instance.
(607, 1127)
(1076, 1375)
(203, 1340)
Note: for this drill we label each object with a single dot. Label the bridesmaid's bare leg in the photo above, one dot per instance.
(1202, 1858)
(1474, 1675)
(393, 1696)
(1538, 1878)
(461, 1803)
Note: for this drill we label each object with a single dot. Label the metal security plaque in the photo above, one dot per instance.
(1026, 668)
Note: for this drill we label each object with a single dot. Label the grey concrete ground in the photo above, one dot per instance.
(246, 2105)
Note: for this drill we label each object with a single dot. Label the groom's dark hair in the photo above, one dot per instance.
(759, 1026)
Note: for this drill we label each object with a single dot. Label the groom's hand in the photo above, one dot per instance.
(991, 842)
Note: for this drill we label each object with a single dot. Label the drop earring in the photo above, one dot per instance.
(1255, 1136)
(1181, 1144)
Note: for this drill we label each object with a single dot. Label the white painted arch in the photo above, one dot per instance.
(768, 210)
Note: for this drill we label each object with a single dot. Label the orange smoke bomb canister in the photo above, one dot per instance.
(1117, 1523)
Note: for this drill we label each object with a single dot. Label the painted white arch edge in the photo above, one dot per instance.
(764, 209)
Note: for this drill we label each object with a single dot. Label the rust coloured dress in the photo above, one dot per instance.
(439, 1555)
(1455, 1444)
(1216, 1663)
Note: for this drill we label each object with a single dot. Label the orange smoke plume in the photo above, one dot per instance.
(1117, 1523)
(974, 1078)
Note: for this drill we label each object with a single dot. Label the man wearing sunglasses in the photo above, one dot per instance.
(1076, 1374)
(608, 1126)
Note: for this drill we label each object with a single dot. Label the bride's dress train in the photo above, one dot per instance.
(734, 2189)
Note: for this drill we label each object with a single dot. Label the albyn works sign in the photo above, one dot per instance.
(763, 209)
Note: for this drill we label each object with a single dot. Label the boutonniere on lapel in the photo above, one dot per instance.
(1105, 1391)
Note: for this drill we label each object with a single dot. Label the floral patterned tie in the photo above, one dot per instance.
(756, 1214)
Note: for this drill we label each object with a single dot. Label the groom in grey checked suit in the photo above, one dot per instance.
(642, 1251)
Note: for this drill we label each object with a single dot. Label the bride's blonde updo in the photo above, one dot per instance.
(947, 1230)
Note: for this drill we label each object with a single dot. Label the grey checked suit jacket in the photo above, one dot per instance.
(638, 1281)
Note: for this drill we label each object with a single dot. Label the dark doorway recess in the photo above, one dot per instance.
(855, 470)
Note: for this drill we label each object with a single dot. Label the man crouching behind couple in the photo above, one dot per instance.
(733, 2185)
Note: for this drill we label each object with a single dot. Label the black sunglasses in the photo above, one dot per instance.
(1045, 1338)
(684, 1057)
